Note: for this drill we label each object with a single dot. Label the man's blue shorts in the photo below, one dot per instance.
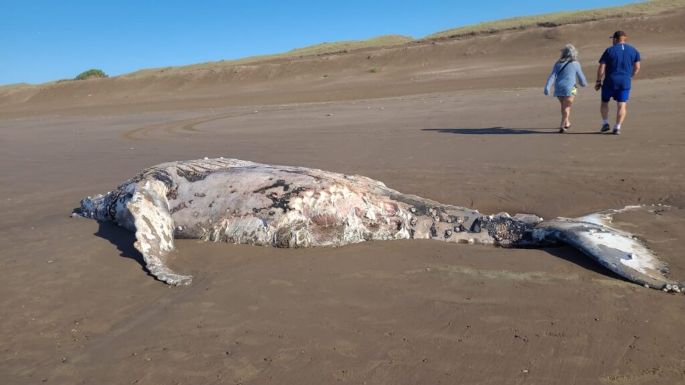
(618, 95)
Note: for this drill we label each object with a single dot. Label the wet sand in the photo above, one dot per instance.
(77, 306)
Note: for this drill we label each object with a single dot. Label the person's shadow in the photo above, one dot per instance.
(505, 131)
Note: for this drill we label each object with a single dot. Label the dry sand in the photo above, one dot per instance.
(461, 122)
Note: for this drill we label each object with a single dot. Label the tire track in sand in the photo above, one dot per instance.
(178, 126)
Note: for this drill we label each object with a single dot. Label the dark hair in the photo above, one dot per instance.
(618, 34)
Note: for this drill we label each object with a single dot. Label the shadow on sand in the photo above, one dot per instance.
(122, 239)
(574, 256)
(505, 131)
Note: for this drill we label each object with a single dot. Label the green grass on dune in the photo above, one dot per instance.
(342, 46)
(555, 19)
(314, 50)
(91, 74)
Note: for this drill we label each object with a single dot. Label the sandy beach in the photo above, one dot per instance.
(460, 121)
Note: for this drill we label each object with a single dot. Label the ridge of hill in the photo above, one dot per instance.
(650, 7)
(646, 8)
(386, 66)
(321, 49)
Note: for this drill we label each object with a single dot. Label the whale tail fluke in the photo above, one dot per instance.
(154, 229)
(614, 249)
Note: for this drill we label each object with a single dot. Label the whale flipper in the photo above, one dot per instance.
(614, 249)
(154, 229)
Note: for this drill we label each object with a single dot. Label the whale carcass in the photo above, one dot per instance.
(231, 200)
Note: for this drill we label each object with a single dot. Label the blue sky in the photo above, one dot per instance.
(48, 40)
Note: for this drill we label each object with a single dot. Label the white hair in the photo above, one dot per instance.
(569, 53)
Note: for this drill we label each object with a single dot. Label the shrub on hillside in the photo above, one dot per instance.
(90, 74)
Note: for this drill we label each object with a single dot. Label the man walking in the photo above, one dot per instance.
(617, 66)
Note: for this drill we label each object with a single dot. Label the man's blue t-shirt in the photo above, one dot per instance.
(619, 59)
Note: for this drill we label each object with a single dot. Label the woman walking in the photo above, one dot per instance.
(565, 73)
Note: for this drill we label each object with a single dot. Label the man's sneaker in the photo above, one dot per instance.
(616, 131)
(562, 130)
(605, 127)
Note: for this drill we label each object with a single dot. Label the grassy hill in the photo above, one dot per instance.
(562, 18)
(645, 8)
(322, 49)
(649, 7)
